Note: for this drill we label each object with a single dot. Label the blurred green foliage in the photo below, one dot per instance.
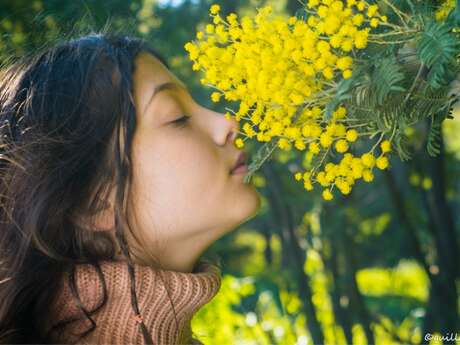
(378, 266)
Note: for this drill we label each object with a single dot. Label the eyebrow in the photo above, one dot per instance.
(162, 87)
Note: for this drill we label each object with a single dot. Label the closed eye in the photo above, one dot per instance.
(181, 121)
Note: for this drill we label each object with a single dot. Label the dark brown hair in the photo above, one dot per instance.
(67, 120)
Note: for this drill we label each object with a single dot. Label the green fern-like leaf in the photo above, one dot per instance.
(341, 95)
(344, 90)
(259, 158)
(428, 103)
(394, 109)
(437, 49)
(386, 78)
(402, 147)
(453, 19)
(433, 145)
(363, 106)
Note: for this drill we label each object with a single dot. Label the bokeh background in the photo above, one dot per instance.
(379, 266)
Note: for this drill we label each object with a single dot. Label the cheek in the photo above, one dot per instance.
(176, 177)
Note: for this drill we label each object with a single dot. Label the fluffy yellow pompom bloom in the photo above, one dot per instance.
(374, 22)
(358, 19)
(306, 130)
(292, 133)
(323, 11)
(330, 176)
(300, 145)
(232, 19)
(188, 46)
(215, 96)
(344, 63)
(368, 160)
(316, 111)
(239, 143)
(209, 29)
(321, 178)
(313, 3)
(284, 144)
(329, 167)
(214, 9)
(335, 41)
(327, 195)
(352, 135)
(298, 176)
(414, 179)
(344, 188)
(361, 40)
(312, 21)
(325, 140)
(341, 146)
(382, 162)
(292, 20)
(427, 183)
(296, 98)
(361, 5)
(368, 175)
(372, 10)
(347, 45)
(337, 6)
(307, 185)
(357, 171)
(328, 73)
(193, 50)
(347, 74)
(247, 128)
(385, 146)
(340, 113)
(340, 130)
(314, 148)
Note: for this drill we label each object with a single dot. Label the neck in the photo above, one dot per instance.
(167, 301)
(180, 254)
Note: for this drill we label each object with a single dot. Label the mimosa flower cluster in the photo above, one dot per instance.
(282, 71)
(444, 9)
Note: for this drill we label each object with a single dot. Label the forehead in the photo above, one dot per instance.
(148, 73)
(148, 67)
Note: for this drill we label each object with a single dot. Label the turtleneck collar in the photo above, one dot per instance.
(116, 321)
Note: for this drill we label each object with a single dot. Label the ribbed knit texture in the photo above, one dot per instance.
(116, 323)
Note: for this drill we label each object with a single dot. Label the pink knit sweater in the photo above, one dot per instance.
(116, 321)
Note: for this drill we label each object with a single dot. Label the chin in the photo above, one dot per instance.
(242, 211)
(248, 205)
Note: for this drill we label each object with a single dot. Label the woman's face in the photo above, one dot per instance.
(184, 195)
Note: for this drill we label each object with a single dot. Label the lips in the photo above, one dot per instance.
(240, 162)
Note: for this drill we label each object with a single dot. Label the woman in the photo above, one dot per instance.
(114, 181)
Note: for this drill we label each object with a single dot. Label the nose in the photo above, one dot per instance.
(226, 130)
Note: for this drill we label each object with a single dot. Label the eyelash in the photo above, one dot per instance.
(182, 121)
